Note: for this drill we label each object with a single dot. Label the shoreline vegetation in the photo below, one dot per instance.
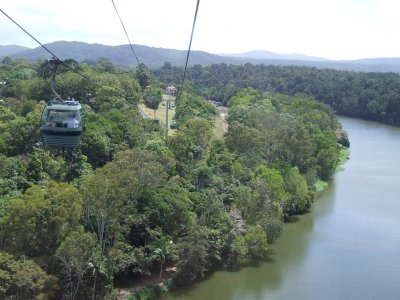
(132, 204)
(321, 185)
(149, 288)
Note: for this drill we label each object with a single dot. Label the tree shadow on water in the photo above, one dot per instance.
(292, 219)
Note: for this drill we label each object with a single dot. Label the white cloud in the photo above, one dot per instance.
(339, 29)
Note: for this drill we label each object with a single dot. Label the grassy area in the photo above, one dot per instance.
(160, 113)
(344, 156)
(320, 185)
(218, 127)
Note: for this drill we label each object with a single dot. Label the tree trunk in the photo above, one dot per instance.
(94, 285)
(161, 268)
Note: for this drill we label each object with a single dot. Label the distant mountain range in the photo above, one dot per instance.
(262, 54)
(11, 49)
(156, 57)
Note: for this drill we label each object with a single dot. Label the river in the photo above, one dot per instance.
(347, 247)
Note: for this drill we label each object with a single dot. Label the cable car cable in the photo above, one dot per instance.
(52, 54)
(58, 130)
(190, 43)
(55, 64)
(55, 56)
(126, 33)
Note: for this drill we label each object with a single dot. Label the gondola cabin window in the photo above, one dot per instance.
(62, 118)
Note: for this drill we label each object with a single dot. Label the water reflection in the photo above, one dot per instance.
(255, 282)
(347, 247)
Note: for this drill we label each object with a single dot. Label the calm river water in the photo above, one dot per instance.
(347, 247)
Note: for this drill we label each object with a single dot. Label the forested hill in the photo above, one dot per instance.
(119, 55)
(10, 50)
(371, 96)
(129, 201)
(156, 57)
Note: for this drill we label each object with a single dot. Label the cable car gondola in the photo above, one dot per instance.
(62, 123)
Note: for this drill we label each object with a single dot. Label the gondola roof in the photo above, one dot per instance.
(64, 105)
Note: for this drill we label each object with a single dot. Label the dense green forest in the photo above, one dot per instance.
(75, 224)
(370, 96)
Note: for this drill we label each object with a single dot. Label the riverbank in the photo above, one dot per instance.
(149, 287)
(346, 247)
(155, 289)
(344, 156)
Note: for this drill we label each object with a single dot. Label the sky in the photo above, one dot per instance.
(333, 29)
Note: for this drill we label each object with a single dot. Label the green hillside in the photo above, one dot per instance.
(131, 203)
(156, 57)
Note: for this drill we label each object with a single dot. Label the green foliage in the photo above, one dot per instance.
(108, 132)
(152, 96)
(22, 278)
(159, 147)
(190, 106)
(6, 115)
(267, 211)
(372, 96)
(220, 159)
(253, 245)
(80, 260)
(107, 98)
(152, 291)
(37, 223)
(106, 65)
(193, 264)
(168, 208)
(274, 182)
(143, 76)
(301, 197)
(19, 135)
(191, 142)
(136, 202)
(113, 191)
(34, 169)
(8, 190)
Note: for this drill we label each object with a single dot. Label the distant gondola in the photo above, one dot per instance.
(62, 124)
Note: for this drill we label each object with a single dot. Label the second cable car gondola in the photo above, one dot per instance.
(62, 124)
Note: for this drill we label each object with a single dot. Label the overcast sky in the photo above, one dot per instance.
(334, 29)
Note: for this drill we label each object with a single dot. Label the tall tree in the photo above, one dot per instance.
(152, 97)
(38, 222)
(143, 76)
